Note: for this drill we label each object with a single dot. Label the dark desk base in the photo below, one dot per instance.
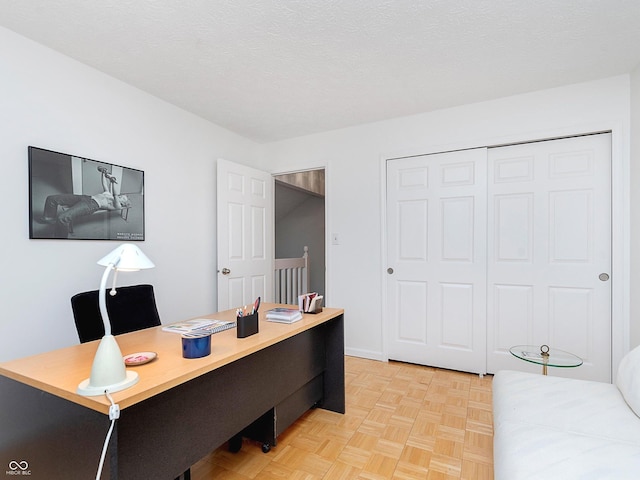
(261, 394)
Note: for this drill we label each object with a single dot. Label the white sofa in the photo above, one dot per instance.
(554, 428)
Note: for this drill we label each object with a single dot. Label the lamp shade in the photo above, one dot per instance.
(127, 257)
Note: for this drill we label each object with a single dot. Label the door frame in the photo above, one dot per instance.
(620, 226)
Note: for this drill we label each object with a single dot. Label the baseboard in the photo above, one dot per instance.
(354, 352)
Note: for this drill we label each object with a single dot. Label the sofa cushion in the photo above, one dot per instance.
(567, 404)
(562, 429)
(628, 379)
(533, 452)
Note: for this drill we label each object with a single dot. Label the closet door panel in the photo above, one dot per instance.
(513, 313)
(550, 233)
(436, 282)
(412, 312)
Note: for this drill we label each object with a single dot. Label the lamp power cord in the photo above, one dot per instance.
(114, 414)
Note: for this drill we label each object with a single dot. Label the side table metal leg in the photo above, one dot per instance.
(544, 352)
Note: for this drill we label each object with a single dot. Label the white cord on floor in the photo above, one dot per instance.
(114, 413)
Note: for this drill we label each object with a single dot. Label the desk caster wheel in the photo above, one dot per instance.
(266, 448)
(235, 444)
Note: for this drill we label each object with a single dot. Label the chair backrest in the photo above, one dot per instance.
(132, 308)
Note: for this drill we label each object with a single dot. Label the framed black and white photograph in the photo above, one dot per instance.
(76, 198)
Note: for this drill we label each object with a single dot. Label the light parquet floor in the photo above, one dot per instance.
(402, 422)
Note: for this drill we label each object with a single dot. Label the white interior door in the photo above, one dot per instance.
(245, 234)
(436, 214)
(549, 257)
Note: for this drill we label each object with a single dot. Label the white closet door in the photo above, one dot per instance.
(436, 213)
(549, 257)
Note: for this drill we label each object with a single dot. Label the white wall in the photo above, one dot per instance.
(354, 160)
(50, 101)
(635, 210)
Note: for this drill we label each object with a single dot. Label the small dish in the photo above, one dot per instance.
(139, 358)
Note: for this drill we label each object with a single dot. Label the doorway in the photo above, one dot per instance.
(300, 221)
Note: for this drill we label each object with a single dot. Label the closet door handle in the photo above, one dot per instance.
(226, 271)
(390, 271)
(604, 277)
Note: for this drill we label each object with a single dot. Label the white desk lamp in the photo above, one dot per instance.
(108, 372)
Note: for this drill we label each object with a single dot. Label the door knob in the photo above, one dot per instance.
(390, 271)
(226, 271)
(604, 277)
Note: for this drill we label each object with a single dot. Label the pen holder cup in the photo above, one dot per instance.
(247, 325)
(196, 347)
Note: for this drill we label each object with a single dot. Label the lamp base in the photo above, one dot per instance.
(87, 390)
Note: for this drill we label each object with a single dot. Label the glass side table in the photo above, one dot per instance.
(546, 357)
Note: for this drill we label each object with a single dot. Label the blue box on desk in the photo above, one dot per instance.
(247, 325)
(196, 347)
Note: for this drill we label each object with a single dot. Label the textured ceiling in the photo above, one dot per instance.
(276, 69)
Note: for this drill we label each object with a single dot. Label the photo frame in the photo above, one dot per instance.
(76, 198)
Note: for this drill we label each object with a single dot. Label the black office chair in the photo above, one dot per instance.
(132, 308)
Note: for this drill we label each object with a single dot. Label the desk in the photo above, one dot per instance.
(180, 410)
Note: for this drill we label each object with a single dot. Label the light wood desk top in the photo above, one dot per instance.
(59, 372)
